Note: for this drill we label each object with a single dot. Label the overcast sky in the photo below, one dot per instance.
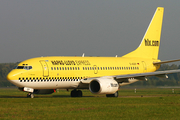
(34, 28)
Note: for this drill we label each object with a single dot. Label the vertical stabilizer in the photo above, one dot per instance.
(149, 47)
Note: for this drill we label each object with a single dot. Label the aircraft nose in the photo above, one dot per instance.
(13, 75)
(10, 76)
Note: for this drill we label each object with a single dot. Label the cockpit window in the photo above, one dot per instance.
(19, 67)
(24, 67)
(30, 67)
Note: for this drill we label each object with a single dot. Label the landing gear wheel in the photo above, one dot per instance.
(30, 95)
(76, 93)
(112, 95)
(73, 93)
(79, 93)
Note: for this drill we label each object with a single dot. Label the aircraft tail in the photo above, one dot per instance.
(149, 47)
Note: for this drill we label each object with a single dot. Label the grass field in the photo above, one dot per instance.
(144, 104)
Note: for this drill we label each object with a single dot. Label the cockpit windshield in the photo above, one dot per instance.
(23, 67)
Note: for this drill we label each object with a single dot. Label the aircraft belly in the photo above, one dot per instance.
(48, 85)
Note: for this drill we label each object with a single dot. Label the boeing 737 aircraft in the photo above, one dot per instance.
(101, 75)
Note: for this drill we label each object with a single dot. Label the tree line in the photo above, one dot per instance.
(173, 79)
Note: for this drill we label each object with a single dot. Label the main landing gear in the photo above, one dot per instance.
(76, 93)
(112, 95)
(30, 95)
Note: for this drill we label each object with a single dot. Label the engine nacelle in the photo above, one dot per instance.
(103, 86)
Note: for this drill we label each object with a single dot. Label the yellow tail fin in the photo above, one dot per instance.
(149, 47)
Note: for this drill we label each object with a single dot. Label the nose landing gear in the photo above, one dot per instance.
(30, 95)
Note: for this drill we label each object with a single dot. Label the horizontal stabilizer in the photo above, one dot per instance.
(167, 61)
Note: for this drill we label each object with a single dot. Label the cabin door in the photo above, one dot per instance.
(45, 68)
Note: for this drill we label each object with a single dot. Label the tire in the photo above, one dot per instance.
(112, 95)
(79, 93)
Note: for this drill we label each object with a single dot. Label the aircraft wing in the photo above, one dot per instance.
(139, 76)
(142, 76)
(167, 61)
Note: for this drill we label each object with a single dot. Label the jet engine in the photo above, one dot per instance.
(103, 86)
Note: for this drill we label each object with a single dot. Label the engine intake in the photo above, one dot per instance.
(103, 86)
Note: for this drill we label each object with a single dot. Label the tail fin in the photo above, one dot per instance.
(149, 47)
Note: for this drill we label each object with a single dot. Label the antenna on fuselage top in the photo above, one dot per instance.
(83, 54)
(116, 55)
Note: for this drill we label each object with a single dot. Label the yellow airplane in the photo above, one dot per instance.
(101, 75)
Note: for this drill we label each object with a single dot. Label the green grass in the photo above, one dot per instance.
(145, 104)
